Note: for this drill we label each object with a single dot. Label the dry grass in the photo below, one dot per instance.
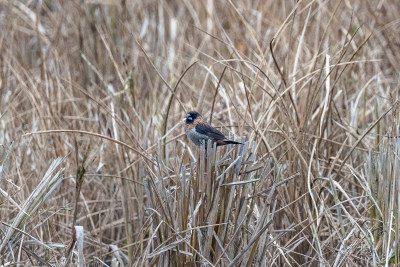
(92, 97)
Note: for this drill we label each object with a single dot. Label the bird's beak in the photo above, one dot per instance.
(187, 116)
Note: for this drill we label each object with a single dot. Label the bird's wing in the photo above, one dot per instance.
(207, 129)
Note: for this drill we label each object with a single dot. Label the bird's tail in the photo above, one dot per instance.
(226, 142)
(232, 142)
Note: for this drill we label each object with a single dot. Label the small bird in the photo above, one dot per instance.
(199, 131)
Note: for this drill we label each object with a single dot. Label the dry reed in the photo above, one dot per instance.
(95, 168)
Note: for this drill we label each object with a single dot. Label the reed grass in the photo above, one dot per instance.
(96, 169)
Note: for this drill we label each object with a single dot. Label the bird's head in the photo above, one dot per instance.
(191, 116)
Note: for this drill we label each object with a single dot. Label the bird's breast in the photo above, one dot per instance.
(196, 137)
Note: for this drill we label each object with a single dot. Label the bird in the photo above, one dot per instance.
(199, 131)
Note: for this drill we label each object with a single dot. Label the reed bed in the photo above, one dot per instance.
(95, 169)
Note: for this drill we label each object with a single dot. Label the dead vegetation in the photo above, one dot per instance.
(96, 170)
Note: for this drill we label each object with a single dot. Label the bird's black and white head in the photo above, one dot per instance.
(192, 116)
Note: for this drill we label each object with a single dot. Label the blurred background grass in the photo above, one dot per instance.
(312, 86)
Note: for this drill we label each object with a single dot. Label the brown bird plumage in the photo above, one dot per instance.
(199, 131)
